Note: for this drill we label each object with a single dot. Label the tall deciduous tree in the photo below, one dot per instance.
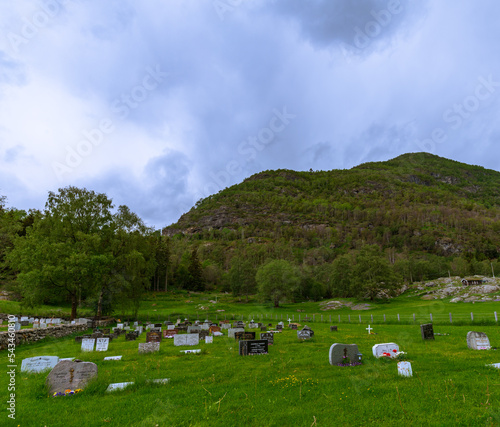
(276, 280)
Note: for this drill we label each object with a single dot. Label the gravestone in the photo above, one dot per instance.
(253, 325)
(38, 364)
(209, 340)
(131, 336)
(382, 350)
(149, 347)
(24, 319)
(169, 333)
(158, 325)
(203, 334)
(17, 326)
(113, 358)
(153, 336)
(139, 329)
(269, 336)
(252, 347)
(213, 329)
(43, 325)
(195, 329)
(232, 331)
(263, 328)
(279, 327)
(293, 326)
(404, 369)
(338, 351)
(478, 341)
(70, 375)
(217, 334)
(170, 327)
(106, 331)
(186, 339)
(157, 330)
(88, 344)
(191, 351)
(226, 325)
(333, 328)
(427, 331)
(119, 325)
(205, 327)
(244, 336)
(25, 323)
(118, 386)
(102, 344)
(304, 334)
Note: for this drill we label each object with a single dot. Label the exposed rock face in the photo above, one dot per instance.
(447, 247)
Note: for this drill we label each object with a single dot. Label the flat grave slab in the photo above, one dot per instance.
(39, 364)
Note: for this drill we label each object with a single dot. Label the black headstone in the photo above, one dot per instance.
(427, 331)
(251, 347)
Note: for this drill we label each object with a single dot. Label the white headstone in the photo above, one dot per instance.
(102, 344)
(88, 344)
(209, 340)
(404, 369)
(24, 319)
(39, 364)
(387, 348)
(43, 325)
(217, 334)
(119, 325)
(170, 327)
(190, 351)
(113, 358)
(17, 326)
(478, 341)
(118, 386)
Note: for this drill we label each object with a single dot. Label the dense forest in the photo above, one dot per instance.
(283, 234)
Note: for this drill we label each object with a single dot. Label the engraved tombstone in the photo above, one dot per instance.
(70, 375)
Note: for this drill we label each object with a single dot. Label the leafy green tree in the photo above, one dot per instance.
(77, 249)
(276, 280)
(342, 276)
(242, 277)
(196, 281)
(373, 273)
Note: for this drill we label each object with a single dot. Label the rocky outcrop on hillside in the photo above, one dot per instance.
(453, 288)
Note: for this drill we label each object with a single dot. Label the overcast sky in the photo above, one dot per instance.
(158, 103)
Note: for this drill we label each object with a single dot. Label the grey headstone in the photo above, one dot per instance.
(70, 375)
(186, 339)
(148, 347)
(269, 336)
(338, 350)
(304, 334)
(38, 364)
(478, 341)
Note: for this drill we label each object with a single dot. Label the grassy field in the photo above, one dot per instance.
(293, 385)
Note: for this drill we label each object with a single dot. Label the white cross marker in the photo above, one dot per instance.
(369, 329)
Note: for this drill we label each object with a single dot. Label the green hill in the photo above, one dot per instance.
(425, 216)
(416, 201)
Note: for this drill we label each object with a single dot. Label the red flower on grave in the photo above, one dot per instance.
(394, 351)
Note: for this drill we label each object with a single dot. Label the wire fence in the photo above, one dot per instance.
(404, 319)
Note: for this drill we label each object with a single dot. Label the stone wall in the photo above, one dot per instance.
(24, 336)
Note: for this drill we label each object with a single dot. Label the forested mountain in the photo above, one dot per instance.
(427, 217)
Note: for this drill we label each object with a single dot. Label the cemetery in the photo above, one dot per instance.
(288, 374)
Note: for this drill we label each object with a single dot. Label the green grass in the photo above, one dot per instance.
(293, 385)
